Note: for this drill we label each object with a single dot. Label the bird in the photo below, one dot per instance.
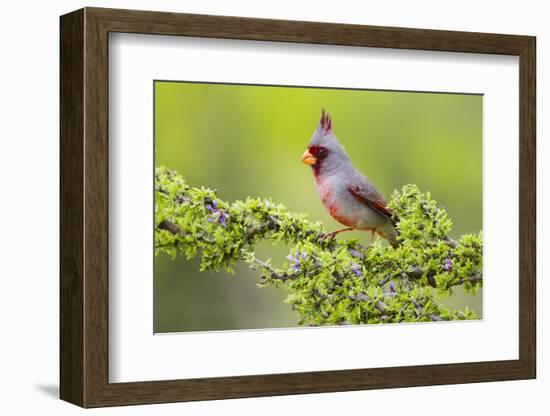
(348, 195)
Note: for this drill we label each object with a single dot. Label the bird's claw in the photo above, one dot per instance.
(332, 234)
(326, 236)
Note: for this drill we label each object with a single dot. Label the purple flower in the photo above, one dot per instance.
(447, 264)
(297, 260)
(223, 217)
(213, 207)
(356, 269)
(391, 290)
(217, 214)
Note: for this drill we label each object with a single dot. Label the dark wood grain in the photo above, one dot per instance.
(71, 100)
(84, 207)
(96, 208)
(162, 23)
(527, 208)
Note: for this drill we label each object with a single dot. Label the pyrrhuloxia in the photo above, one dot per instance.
(347, 194)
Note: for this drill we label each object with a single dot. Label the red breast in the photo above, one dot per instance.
(334, 209)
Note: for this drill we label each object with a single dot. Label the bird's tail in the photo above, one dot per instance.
(394, 242)
(389, 232)
(393, 238)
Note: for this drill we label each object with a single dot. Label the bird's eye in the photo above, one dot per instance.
(321, 152)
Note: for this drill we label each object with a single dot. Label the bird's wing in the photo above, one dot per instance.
(365, 192)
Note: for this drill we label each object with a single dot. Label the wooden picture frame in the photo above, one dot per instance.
(84, 207)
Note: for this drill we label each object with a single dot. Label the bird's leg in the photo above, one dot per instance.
(372, 234)
(333, 233)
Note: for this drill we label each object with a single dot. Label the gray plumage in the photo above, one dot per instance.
(348, 195)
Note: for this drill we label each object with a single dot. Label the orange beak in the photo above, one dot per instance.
(308, 158)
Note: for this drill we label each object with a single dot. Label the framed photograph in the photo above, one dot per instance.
(254, 207)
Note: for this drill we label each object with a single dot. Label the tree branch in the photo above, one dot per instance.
(328, 281)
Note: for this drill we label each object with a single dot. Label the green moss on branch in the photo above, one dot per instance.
(328, 281)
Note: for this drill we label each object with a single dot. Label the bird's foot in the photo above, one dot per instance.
(325, 237)
(332, 234)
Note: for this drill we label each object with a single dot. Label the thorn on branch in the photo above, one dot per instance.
(273, 273)
(169, 226)
(416, 272)
(451, 242)
(435, 318)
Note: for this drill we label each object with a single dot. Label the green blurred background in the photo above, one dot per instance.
(247, 141)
